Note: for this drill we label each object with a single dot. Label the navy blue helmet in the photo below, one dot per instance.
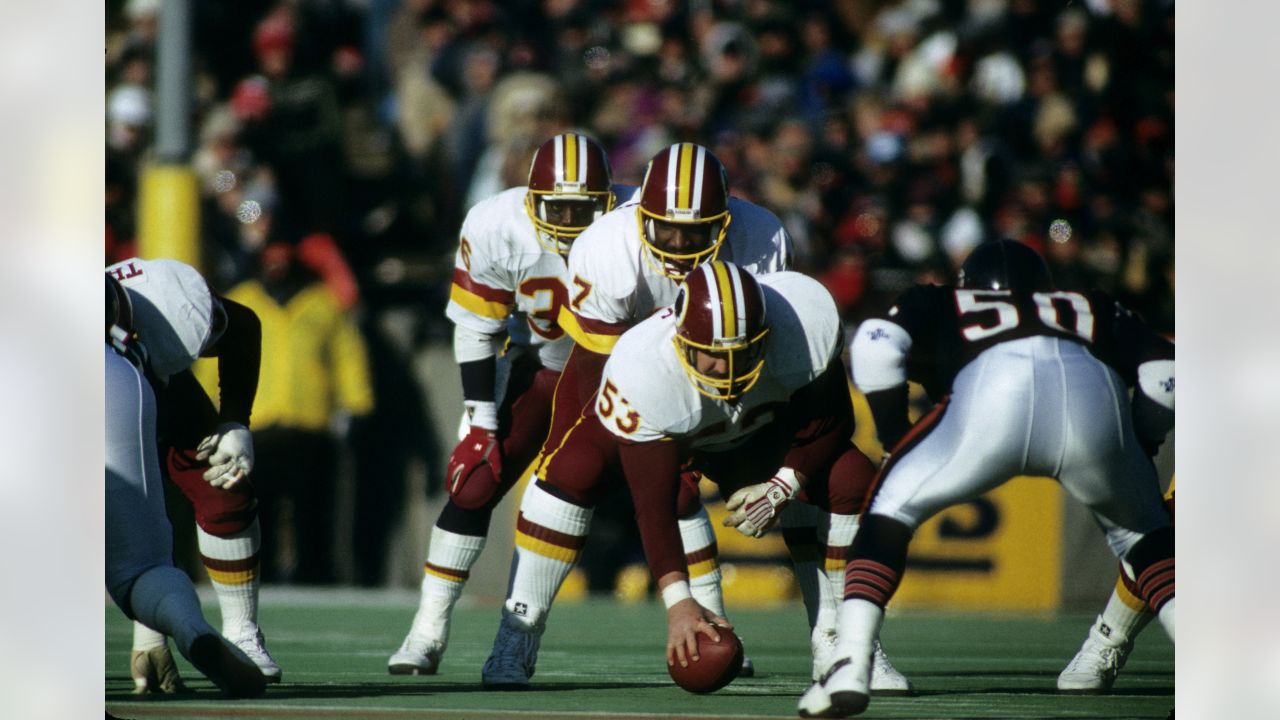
(1004, 265)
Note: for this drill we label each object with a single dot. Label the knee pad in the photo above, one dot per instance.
(1152, 560)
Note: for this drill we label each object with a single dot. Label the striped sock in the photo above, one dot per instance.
(232, 564)
(1125, 614)
(449, 560)
(550, 534)
(702, 555)
(840, 532)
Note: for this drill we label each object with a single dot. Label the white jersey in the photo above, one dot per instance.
(614, 283)
(645, 394)
(173, 310)
(502, 272)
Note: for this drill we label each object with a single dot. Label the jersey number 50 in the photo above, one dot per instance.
(1049, 306)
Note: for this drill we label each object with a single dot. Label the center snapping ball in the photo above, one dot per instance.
(717, 665)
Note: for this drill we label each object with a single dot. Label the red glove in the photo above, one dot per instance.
(480, 447)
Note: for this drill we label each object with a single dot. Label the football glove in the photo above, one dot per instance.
(755, 508)
(480, 447)
(229, 451)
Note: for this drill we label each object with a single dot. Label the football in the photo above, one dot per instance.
(718, 664)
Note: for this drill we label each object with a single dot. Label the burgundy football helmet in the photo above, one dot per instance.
(685, 192)
(570, 185)
(721, 329)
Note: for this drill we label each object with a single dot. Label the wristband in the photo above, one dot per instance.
(482, 414)
(789, 479)
(676, 592)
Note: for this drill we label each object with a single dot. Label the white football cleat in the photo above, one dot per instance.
(822, 641)
(153, 671)
(1094, 668)
(416, 656)
(227, 666)
(254, 646)
(845, 690)
(885, 678)
(514, 655)
(748, 668)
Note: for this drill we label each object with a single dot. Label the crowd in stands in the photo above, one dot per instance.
(890, 136)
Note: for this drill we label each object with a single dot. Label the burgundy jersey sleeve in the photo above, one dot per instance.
(653, 475)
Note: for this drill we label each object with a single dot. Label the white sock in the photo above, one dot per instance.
(859, 624)
(232, 564)
(449, 560)
(550, 534)
(802, 527)
(163, 598)
(144, 638)
(1166, 616)
(703, 558)
(1122, 622)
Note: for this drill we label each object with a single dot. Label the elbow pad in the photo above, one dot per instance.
(1155, 380)
(878, 355)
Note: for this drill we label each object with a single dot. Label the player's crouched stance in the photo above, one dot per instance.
(740, 379)
(140, 574)
(207, 451)
(1032, 381)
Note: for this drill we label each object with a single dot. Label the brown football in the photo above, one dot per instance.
(718, 664)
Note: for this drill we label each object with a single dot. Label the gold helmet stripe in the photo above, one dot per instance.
(725, 295)
(685, 188)
(572, 152)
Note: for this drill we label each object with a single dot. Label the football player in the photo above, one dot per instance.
(509, 281)
(206, 452)
(1110, 640)
(627, 264)
(140, 574)
(740, 378)
(1031, 381)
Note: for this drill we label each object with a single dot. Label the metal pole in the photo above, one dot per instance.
(173, 82)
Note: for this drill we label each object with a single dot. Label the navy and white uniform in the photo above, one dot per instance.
(1027, 383)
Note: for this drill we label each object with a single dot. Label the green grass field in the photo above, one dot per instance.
(603, 659)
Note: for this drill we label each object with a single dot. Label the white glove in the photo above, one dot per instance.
(229, 451)
(756, 507)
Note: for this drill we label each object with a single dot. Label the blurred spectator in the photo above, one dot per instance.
(298, 132)
(314, 381)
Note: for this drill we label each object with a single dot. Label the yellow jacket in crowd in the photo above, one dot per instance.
(314, 360)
